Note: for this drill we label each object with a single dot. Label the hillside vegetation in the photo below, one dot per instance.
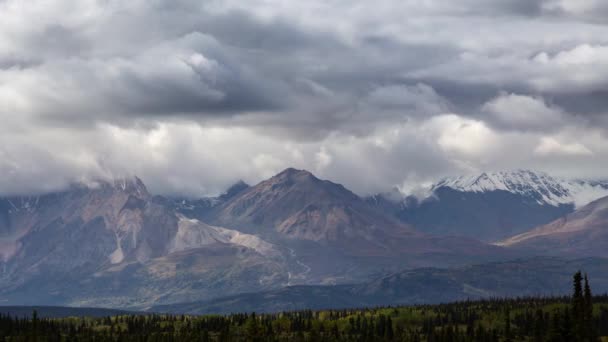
(580, 317)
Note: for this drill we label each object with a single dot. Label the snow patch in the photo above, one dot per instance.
(539, 186)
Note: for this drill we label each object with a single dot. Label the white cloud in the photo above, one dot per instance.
(467, 138)
(567, 69)
(521, 112)
(549, 146)
(579, 55)
(582, 68)
(322, 159)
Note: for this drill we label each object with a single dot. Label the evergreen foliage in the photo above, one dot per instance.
(561, 319)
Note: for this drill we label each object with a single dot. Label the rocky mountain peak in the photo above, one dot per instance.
(132, 185)
(302, 183)
(294, 174)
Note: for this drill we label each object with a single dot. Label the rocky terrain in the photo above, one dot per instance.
(295, 205)
(113, 244)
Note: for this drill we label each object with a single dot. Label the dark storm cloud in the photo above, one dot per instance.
(251, 64)
(403, 91)
(239, 29)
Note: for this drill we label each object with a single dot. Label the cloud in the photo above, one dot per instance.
(522, 113)
(594, 10)
(323, 159)
(464, 137)
(187, 77)
(419, 99)
(194, 95)
(577, 70)
(551, 146)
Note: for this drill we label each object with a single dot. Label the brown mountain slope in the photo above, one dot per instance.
(113, 244)
(582, 233)
(296, 205)
(120, 212)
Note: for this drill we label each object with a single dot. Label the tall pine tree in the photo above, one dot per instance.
(590, 333)
(578, 308)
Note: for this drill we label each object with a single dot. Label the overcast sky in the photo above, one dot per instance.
(194, 95)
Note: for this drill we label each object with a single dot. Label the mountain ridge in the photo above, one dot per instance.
(299, 206)
(491, 206)
(583, 233)
(113, 242)
(540, 186)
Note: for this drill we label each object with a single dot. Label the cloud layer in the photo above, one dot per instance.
(192, 96)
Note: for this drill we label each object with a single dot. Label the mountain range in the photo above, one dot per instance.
(113, 244)
(491, 206)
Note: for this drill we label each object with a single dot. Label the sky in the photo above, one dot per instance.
(192, 96)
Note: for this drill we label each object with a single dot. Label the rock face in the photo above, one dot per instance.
(107, 215)
(295, 205)
(112, 244)
(494, 205)
(581, 233)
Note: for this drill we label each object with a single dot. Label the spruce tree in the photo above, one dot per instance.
(590, 334)
(578, 308)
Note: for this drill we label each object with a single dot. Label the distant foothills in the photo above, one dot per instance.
(295, 242)
(580, 317)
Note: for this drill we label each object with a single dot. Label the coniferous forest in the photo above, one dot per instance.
(580, 317)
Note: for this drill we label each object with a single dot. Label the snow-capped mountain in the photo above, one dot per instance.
(492, 205)
(540, 186)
